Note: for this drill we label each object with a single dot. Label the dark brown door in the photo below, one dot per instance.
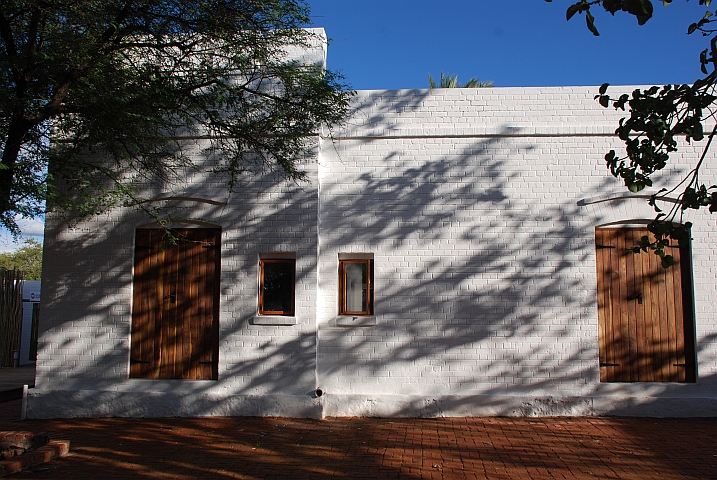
(645, 316)
(175, 316)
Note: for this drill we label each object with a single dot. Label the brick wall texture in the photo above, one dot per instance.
(479, 208)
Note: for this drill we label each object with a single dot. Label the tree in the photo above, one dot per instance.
(451, 81)
(124, 79)
(660, 118)
(27, 258)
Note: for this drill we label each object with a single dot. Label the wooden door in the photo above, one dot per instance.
(175, 316)
(645, 316)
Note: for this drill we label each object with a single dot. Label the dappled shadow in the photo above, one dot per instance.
(477, 284)
(484, 280)
(87, 312)
(380, 448)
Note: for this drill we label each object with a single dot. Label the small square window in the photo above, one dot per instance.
(276, 286)
(356, 287)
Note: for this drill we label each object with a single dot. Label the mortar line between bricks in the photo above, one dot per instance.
(471, 136)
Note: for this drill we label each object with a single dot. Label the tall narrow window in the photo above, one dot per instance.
(356, 287)
(276, 286)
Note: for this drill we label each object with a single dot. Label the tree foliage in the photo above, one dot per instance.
(127, 78)
(27, 258)
(451, 81)
(660, 118)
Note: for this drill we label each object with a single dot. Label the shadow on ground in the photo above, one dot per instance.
(251, 447)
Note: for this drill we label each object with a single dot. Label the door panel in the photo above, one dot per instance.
(175, 317)
(645, 318)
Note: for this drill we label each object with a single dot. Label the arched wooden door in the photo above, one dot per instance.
(175, 315)
(645, 319)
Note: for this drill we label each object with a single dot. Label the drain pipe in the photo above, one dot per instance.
(23, 410)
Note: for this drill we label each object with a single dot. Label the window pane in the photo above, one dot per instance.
(356, 287)
(278, 287)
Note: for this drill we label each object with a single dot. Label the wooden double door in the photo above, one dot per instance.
(645, 313)
(175, 315)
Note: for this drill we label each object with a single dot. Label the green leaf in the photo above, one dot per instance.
(603, 88)
(590, 20)
(612, 6)
(572, 10)
(641, 9)
(698, 132)
(668, 261)
(635, 187)
(604, 101)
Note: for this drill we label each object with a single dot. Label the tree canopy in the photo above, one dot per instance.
(451, 81)
(27, 258)
(660, 118)
(128, 78)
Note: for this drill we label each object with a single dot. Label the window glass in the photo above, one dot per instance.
(276, 295)
(355, 285)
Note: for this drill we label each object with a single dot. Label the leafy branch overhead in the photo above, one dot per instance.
(660, 118)
(127, 78)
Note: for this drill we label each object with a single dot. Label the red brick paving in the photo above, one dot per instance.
(447, 448)
(48, 450)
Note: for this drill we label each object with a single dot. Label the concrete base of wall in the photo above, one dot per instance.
(517, 406)
(104, 403)
(101, 403)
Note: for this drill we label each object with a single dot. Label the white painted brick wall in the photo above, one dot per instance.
(484, 261)
(484, 272)
(86, 312)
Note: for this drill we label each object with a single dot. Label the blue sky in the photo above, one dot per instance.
(394, 44)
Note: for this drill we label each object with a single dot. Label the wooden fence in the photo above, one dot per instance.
(10, 314)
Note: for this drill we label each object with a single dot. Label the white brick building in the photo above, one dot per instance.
(472, 212)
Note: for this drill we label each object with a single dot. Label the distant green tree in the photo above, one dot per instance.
(27, 258)
(451, 81)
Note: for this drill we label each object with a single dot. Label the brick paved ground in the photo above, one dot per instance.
(249, 448)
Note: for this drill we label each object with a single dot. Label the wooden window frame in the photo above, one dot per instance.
(342, 287)
(264, 261)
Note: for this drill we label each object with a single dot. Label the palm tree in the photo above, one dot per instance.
(451, 81)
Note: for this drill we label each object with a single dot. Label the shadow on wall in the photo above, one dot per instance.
(85, 330)
(484, 289)
(485, 271)
(505, 314)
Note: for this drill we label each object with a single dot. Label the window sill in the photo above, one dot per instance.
(274, 320)
(355, 320)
